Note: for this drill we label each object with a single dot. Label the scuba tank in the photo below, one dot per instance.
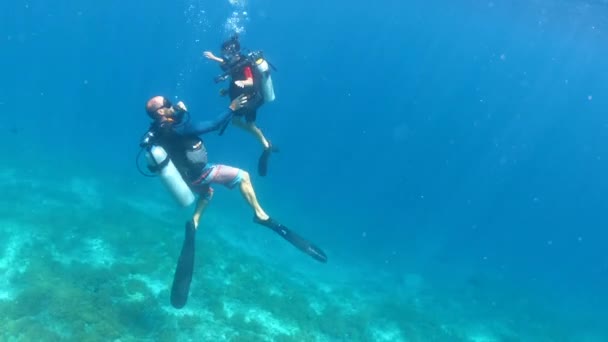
(160, 163)
(266, 82)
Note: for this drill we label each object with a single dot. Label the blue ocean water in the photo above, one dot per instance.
(449, 157)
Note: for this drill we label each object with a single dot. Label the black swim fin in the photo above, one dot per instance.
(263, 161)
(296, 240)
(184, 269)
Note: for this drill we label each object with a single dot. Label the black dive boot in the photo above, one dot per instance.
(293, 238)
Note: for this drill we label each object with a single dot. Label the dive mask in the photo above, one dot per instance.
(177, 114)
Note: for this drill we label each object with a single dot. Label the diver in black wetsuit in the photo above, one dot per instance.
(244, 81)
(187, 151)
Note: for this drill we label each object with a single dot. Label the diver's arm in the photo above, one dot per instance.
(248, 82)
(209, 126)
(211, 56)
(220, 122)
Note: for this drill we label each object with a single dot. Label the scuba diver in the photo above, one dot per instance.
(178, 155)
(250, 75)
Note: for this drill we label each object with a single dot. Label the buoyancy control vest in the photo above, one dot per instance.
(262, 80)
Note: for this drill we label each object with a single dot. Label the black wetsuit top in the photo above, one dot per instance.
(184, 146)
(241, 70)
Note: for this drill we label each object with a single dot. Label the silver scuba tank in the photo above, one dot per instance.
(266, 82)
(158, 159)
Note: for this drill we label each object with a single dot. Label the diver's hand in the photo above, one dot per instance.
(239, 102)
(240, 84)
(181, 106)
(211, 56)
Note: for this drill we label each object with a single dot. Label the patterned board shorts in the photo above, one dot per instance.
(216, 174)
